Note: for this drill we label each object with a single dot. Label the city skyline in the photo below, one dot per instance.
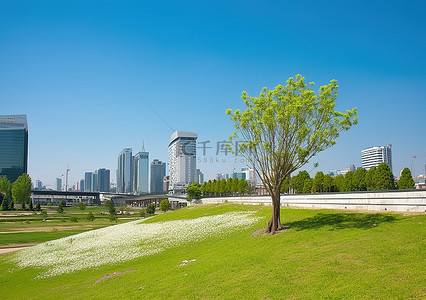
(93, 79)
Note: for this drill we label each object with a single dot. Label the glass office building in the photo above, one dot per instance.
(13, 146)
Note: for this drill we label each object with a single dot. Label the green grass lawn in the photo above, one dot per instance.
(324, 254)
(14, 225)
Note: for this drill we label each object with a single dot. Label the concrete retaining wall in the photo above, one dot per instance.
(410, 201)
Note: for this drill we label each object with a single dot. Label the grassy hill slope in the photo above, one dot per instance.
(323, 254)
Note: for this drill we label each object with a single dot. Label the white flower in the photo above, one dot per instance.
(124, 242)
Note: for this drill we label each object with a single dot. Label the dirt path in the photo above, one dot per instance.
(14, 247)
(46, 229)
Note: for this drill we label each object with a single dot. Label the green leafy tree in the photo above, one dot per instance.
(370, 179)
(348, 181)
(284, 128)
(406, 181)
(6, 188)
(109, 204)
(285, 186)
(165, 205)
(90, 217)
(12, 205)
(193, 190)
(298, 181)
(60, 208)
(318, 183)
(229, 186)
(235, 184)
(4, 202)
(38, 207)
(328, 183)
(142, 213)
(243, 187)
(358, 180)
(82, 205)
(21, 190)
(307, 186)
(339, 182)
(31, 207)
(383, 178)
(150, 209)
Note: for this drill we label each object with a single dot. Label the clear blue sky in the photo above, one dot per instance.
(86, 72)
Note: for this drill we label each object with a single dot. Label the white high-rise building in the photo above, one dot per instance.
(374, 156)
(183, 160)
(124, 171)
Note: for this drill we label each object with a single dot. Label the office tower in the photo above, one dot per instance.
(124, 171)
(13, 146)
(141, 172)
(250, 175)
(104, 180)
(58, 184)
(95, 184)
(158, 171)
(82, 185)
(183, 160)
(39, 185)
(88, 181)
(200, 176)
(374, 156)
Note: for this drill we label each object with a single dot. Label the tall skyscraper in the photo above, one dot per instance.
(58, 184)
(183, 160)
(13, 146)
(124, 171)
(88, 181)
(141, 172)
(374, 156)
(95, 183)
(158, 171)
(104, 180)
(200, 176)
(81, 187)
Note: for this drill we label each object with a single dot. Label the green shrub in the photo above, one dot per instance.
(90, 217)
(165, 205)
(142, 213)
(150, 209)
(73, 219)
(82, 205)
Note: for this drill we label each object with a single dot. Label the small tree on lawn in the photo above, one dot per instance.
(339, 182)
(21, 190)
(38, 207)
(406, 181)
(90, 216)
(284, 128)
(60, 208)
(165, 205)
(150, 209)
(109, 204)
(6, 188)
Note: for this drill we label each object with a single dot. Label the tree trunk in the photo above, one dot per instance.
(274, 223)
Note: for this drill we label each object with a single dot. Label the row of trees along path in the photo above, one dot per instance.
(375, 179)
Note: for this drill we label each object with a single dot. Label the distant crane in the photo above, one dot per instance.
(412, 164)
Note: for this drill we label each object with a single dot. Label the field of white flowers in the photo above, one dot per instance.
(124, 242)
